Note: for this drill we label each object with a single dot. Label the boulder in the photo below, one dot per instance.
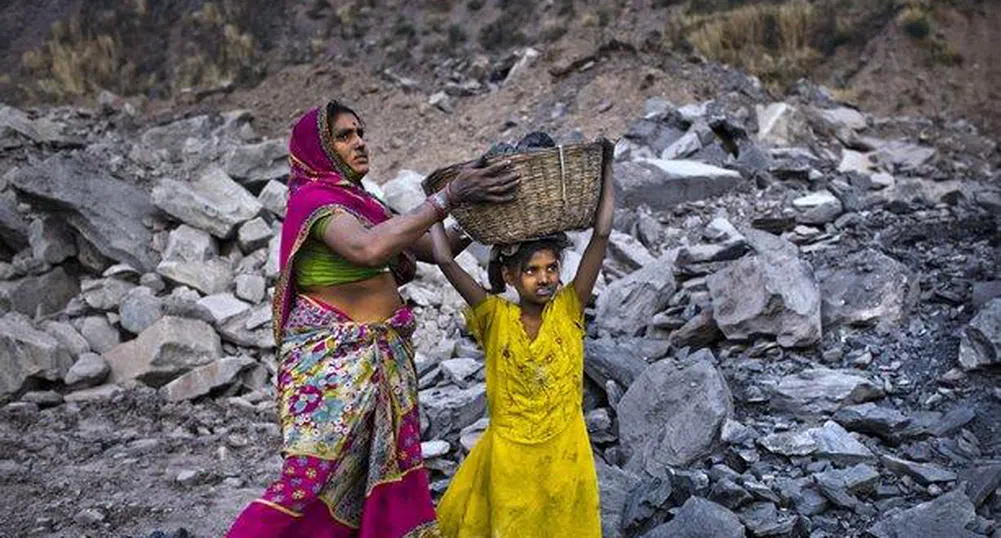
(782, 124)
(27, 353)
(39, 295)
(274, 198)
(140, 309)
(89, 370)
(167, 349)
(662, 184)
(51, 240)
(867, 288)
(980, 341)
(257, 163)
(614, 485)
(108, 212)
(700, 518)
(672, 414)
(13, 225)
(945, 517)
(626, 305)
(204, 379)
(822, 390)
(213, 202)
(451, 408)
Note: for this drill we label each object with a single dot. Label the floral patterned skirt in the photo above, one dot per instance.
(347, 403)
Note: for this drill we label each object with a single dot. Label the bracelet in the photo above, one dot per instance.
(441, 202)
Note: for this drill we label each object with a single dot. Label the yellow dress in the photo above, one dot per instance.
(532, 472)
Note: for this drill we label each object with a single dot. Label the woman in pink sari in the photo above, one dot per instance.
(347, 388)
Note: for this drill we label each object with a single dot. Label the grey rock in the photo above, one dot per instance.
(684, 147)
(700, 518)
(67, 336)
(822, 390)
(189, 244)
(13, 225)
(843, 117)
(105, 294)
(647, 505)
(782, 124)
(209, 277)
(108, 212)
(620, 360)
(789, 443)
(169, 348)
(728, 493)
(869, 418)
(461, 372)
(982, 481)
(859, 479)
(764, 519)
(661, 184)
(599, 426)
(39, 295)
(93, 394)
(452, 408)
(984, 292)
(40, 130)
(404, 192)
(253, 235)
(615, 486)
(802, 494)
(252, 328)
(89, 517)
(818, 208)
(698, 332)
(274, 198)
(27, 353)
(89, 370)
(250, 288)
(980, 341)
(43, 398)
(214, 202)
(945, 517)
(627, 304)
(923, 473)
(869, 287)
(140, 309)
(99, 333)
(223, 307)
(204, 379)
(764, 295)
(257, 163)
(469, 435)
(435, 449)
(904, 156)
(51, 240)
(836, 444)
(672, 414)
(629, 251)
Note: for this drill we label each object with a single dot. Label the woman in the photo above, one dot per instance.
(347, 389)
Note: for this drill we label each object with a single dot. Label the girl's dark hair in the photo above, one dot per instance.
(336, 108)
(517, 260)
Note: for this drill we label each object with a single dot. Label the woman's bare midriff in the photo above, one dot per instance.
(367, 301)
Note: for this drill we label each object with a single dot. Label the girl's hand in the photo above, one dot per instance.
(440, 248)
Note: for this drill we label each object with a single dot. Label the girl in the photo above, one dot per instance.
(532, 472)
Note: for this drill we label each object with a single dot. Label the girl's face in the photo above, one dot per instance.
(538, 279)
(349, 143)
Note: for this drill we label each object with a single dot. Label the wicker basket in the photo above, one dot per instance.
(558, 192)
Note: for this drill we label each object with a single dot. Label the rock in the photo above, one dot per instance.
(257, 163)
(214, 202)
(836, 444)
(435, 449)
(99, 333)
(188, 477)
(599, 426)
(51, 240)
(105, 294)
(980, 341)
(204, 379)
(108, 212)
(905, 156)
(698, 332)
(27, 353)
(628, 250)
(41, 130)
(253, 235)
(404, 192)
(274, 198)
(789, 443)
(984, 292)
(67, 336)
(767, 295)
(982, 482)
(43, 398)
(763, 519)
(223, 307)
(882, 180)
(802, 494)
(869, 287)
(89, 517)
(647, 504)
(923, 473)
(672, 414)
(843, 117)
(461, 372)
(172, 346)
(140, 309)
(250, 329)
(662, 184)
(441, 101)
(822, 390)
(209, 277)
(94, 394)
(452, 408)
(250, 288)
(872, 419)
(862, 163)
(691, 254)
(860, 479)
(627, 304)
(818, 208)
(699, 518)
(614, 485)
(781, 124)
(682, 148)
(89, 370)
(729, 494)
(945, 517)
(469, 435)
(620, 360)
(39, 295)
(13, 225)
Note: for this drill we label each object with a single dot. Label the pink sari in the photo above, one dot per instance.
(347, 391)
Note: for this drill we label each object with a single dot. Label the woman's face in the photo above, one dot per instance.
(349, 143)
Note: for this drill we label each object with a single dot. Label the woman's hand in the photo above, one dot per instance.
(485, 184)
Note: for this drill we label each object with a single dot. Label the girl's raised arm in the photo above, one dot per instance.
(594, 254)
(465, 284)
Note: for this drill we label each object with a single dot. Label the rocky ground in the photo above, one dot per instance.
(796, 333)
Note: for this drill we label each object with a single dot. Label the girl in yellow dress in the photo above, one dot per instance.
(532, 472)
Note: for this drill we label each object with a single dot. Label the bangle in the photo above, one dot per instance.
(441, 203)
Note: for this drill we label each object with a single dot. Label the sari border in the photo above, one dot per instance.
(278, 507)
